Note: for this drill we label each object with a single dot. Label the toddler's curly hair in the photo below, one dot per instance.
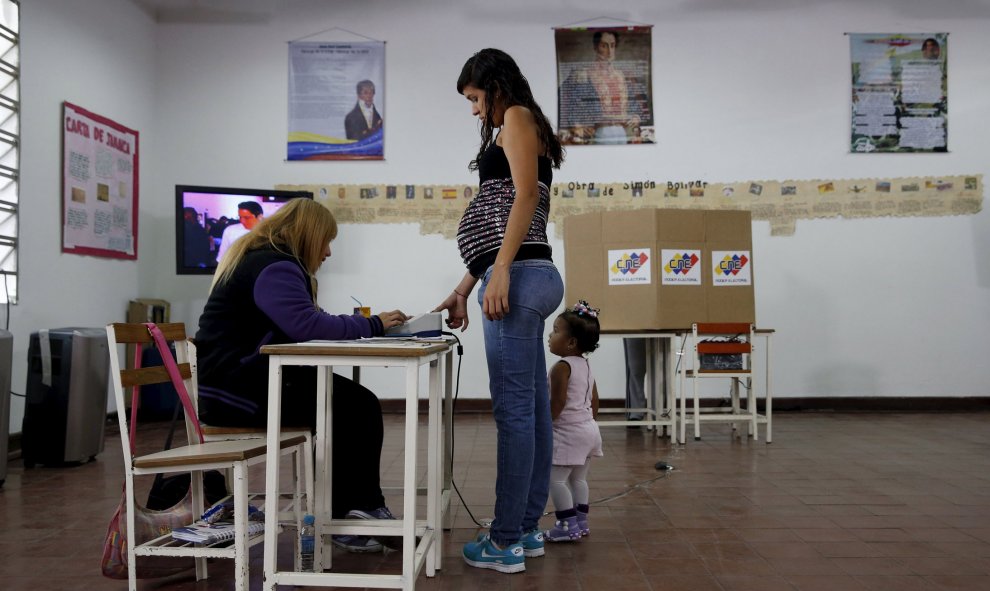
(582, 322)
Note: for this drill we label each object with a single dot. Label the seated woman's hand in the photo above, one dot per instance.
(393, 318)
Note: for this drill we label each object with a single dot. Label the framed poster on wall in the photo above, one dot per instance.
(99, 185)
(605, 93)
(336, 100)
(899, 92)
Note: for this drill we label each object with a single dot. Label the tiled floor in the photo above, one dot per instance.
(839, 502)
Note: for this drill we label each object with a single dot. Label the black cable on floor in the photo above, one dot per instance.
(457, 388)
(453, 432)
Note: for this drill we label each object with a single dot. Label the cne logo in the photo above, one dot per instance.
(732, 268)
(630, 263)
(681, 263)
(731, 265)
(629, 266)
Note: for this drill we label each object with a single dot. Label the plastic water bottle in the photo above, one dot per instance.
(307, 543)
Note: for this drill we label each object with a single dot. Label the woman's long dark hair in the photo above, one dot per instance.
(496, 73)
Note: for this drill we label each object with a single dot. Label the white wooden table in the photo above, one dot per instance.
(660, 412)
(411, 356)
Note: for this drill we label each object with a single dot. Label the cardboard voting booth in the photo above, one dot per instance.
(661, 268)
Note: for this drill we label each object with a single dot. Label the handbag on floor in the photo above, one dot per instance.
(149, 523)
(168, 491)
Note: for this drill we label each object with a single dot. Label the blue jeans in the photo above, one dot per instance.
(517, 376)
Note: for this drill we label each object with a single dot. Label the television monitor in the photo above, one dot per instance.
(204, 214)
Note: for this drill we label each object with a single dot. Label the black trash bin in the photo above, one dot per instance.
(66, 396)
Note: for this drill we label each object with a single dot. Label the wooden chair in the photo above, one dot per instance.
(194, 459)
(303, 466)
(721, 339)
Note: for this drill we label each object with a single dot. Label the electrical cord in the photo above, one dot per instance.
(665, 470)
(663, 466)
(663, 474)
(453, 432)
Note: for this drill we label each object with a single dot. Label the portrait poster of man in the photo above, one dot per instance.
(604, 85)
(899, 92)
(336, 100)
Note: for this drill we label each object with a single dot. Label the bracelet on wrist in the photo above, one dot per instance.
(460, 294)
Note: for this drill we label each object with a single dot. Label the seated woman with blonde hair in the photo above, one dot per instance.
(264, 292)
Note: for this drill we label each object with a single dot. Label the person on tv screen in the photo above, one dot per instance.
(264, 292)
(196, 240)
(217, 227)
(249, 213)
(363, 120)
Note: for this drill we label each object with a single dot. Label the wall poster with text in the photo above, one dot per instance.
(336, 100)
(604, 85)
(99, 185)
(899, 92)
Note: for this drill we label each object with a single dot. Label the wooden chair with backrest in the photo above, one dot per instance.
(303, 465)
(195, 458)
(721, 339)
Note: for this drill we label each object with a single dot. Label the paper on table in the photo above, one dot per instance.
(389, 339)
(383, 343)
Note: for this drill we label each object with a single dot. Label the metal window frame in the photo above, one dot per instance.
(9, 205)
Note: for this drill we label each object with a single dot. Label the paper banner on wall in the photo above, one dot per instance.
(438, 208)
(604, 85)
(899, 92)
(99, 185)
(336, 100)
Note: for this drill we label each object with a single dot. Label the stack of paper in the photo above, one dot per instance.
(210, 533)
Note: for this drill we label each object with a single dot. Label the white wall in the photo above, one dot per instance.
(874, 307)
(101, 57)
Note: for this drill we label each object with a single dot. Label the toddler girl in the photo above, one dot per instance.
(574, 408)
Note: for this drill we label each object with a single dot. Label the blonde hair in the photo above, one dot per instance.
(302, 229)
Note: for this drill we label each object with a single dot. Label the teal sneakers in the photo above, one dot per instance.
(482, 553)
